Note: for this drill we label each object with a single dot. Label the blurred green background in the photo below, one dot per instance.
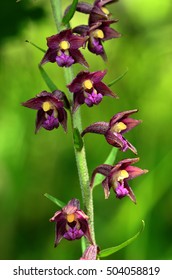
(31, 165)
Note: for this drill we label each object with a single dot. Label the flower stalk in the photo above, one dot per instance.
(76, 122)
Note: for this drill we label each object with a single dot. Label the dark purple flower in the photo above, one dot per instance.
(99, 12)
(88, 88)
(50, 110)
(63, 49)
(117, 177)
(71, 223)
(97, 33)
(90, 253)
(114, 130)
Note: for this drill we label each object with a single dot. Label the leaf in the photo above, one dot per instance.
(118, 78)
(42, 50)
(110, 251)
(58, 202)
(110, 160)
(68, 16)
(78, 142)
(47, 79)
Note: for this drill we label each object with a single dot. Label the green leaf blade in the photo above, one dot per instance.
(47, 79)
(37, 47)
(109, 251)
(58, 202)
(68, 16)
(117, 79)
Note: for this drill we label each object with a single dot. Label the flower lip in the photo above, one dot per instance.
(70, 217)
(105, 10)
(122, 174)
(64, 45)
(46, 106)
(87, 84)
(98, 33)
(118, 127)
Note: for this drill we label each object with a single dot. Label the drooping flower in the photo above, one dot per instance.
(71, 223)
(99, 11)
(97, 33)
(89, 89)
(117, 177)
(50, 109)
(90, 253)
(115, 128)
(63, 48)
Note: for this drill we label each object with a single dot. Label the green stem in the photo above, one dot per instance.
(80, 155)
(56, 9)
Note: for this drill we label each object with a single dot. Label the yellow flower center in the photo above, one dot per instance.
(118, 127)
(46, 106)
(87, 84)
(122, 174)
(70, 218)
(64, 45)
(98, 33)
(105, 11)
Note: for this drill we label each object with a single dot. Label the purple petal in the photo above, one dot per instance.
(73, 233)
(121, 191)
(50, 56)
(76, 84)
(106, 187)
(105, 90)
(54, 40)
(134, 171)
(121, 115)
(50, 122)
(64, 60)
(110, 33)
(39, 119)
(76, 41)
(130, 192)
(95, 46)
(79, 58)
(93, 98)
(97, 76)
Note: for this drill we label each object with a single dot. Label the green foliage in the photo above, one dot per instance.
(109, 251)
(68, 16)
(55, 200)
(47, 79)
(117, 79)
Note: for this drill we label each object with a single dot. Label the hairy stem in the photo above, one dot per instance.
(77, 124)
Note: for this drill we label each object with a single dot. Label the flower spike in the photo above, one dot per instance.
(114, 130)
(71, 223)
(117, 177)
(50, 110)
